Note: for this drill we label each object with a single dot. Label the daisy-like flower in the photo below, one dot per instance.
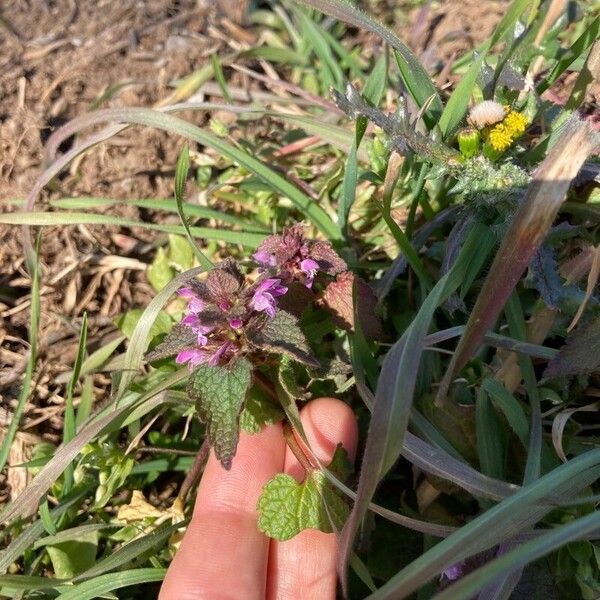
(516, 123)
(500, 138)
(264, 296)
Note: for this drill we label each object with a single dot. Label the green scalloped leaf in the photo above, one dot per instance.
(259, 412)
(287, 507)
(220, 393)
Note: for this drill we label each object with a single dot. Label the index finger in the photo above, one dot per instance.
(223, 553)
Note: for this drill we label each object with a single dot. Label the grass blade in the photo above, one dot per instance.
(42, 219)
(34, 322)
(415, 78)
(181, 172)
(104, 584)
(130, 551)
(494, 526)
(69, 424)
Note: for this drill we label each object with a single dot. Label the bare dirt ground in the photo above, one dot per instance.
(63, 58)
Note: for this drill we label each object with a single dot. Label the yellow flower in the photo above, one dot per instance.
(515, 123)
(500, 138)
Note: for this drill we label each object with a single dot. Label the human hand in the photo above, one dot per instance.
(224, 555)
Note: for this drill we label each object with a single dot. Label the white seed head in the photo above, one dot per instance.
(486, 113)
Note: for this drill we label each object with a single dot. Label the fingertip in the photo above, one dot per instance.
(328, 422)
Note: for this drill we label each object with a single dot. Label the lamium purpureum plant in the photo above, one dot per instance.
(449, 206)
(234, 326)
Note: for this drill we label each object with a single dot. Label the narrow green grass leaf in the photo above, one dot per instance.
(523, 555)
(73, 533)
(85, 402)
(491, 441)
(34, 321)
(251, 240)
(104, 584)
(130, 551)
(69, 423)
(157, 204)
(46, 519)
(414, 76)
(516, 326)
(496, 525)
(30, 582)
(181, 172)
(510, 407)
(220, 77)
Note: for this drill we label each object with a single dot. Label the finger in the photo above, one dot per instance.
(305, 566)
(223, 554)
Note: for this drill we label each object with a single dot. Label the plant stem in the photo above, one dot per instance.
(294, 446)
(193, 475)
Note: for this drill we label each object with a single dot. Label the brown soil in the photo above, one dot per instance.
(61, 58)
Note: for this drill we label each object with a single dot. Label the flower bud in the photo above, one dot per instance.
(468, 142)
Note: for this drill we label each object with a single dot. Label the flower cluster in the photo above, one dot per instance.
(221, 310)
(499, 126)
(504, 134)
(292, 257)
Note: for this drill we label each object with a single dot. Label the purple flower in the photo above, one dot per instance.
(290, 256)
(454, 572)
(236, 323)
(216, 357)
(264, 259)
(192, 356)
(193, 322)
(265, 294)
(310, 268)
(195, 304)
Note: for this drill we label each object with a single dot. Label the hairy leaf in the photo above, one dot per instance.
(281, 334)
(338, 299)
(178, 339)
(545, 278)
(258, 412)
(580, 354)
(220, 393)
(287, 507)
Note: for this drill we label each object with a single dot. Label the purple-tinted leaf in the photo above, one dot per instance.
(338, 299)
(327, 258)
(580, 354)
(224, 281)
(179, 338)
